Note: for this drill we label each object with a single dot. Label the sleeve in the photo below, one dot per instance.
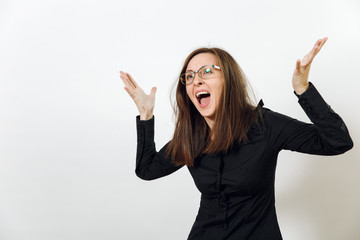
(327, 135)
(150, 164)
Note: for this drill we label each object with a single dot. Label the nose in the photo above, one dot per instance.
(197, 79)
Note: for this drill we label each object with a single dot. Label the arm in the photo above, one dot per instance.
(327, 135)
(150, 164)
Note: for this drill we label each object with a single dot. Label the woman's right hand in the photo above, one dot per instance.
(145, 103)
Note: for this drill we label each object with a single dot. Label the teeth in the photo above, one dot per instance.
(199, 93)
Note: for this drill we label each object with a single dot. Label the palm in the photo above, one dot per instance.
(302, 70)
(144, 102)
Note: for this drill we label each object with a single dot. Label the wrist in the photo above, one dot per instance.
(146, 115)
(300, 89)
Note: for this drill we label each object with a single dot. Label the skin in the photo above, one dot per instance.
(146, 102)
(302, 69)
(213, 85)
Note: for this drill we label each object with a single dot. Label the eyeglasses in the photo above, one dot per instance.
(205, 72)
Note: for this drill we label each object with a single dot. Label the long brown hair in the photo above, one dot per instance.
(233, 118)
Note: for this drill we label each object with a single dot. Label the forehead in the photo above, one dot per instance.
(200, 60)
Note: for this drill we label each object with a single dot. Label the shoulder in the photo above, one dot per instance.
(267, 116)
(267, 121)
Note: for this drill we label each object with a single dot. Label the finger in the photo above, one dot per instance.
(126, 77)
(153, 92)
(126, 80)
(314, 51)
(298, 65)
(132, 80)
(319, 44)
(123, 77)
(130, 92)
(323, 41)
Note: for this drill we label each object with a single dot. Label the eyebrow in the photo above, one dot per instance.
(190, 70)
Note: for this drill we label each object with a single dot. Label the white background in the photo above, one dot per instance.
(67, 126)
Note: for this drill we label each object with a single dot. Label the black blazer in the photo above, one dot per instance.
(237, 189)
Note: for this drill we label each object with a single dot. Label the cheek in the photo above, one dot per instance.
(218, 93)
(221, 87)
(189, 91)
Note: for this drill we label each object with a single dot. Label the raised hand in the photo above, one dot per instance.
(145, 103)
(301, 74)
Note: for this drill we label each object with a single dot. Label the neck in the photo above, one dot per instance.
(210, 122)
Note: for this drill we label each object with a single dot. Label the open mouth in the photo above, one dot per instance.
(203, 98)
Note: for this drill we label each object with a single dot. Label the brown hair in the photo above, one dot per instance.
(233, 118)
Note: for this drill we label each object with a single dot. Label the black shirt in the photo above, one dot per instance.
(237, 189)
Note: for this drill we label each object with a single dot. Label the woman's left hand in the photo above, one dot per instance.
(301, 74)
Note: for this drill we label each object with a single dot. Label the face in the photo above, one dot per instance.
(205, 93)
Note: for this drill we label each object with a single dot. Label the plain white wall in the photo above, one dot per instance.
(67, 127)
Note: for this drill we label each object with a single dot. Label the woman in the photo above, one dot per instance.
(230, 146)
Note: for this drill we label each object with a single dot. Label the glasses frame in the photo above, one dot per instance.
(193, 74)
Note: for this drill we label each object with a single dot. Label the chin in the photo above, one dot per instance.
(207, 114)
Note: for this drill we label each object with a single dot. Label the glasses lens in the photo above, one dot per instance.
(187, 78)
(206, 72)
